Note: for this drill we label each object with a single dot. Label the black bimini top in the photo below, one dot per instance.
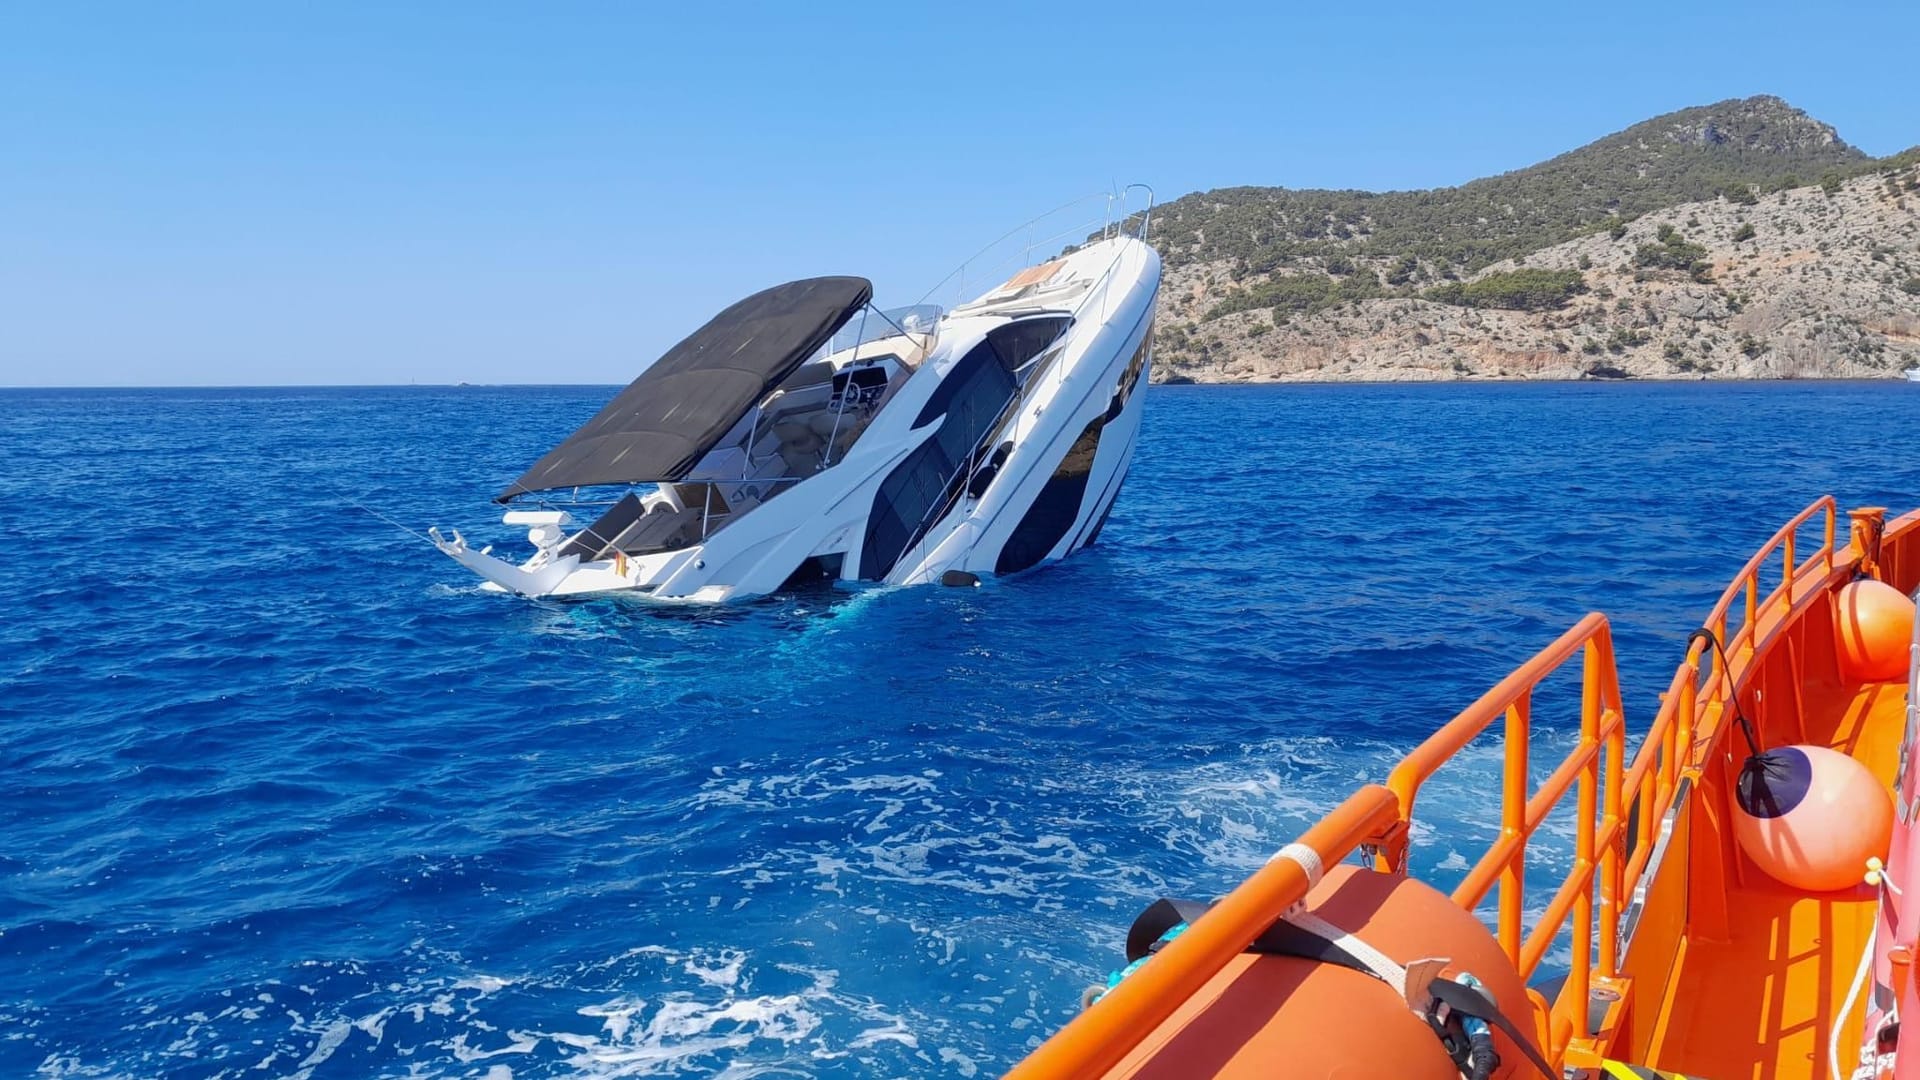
(666, 420)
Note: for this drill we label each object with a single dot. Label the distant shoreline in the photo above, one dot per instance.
(1182, 384)
(1490, 379)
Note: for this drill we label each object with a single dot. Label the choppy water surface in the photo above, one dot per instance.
(285, 795)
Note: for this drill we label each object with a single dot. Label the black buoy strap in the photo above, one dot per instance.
(1726, 672)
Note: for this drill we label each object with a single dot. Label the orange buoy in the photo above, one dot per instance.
(1874, 625)
(1272, 1015)
(1811, 817)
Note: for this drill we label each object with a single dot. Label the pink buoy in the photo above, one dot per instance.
(1811, 817)
(1873, 625)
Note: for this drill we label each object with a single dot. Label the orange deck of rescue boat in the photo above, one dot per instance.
(1723, 972)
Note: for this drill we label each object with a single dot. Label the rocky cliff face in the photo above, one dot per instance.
(1804, 283)
(1694, 244)
(1763, 124)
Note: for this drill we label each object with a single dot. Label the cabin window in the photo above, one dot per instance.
(1019, 342)
(971, 397)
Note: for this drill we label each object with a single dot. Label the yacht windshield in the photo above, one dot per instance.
(867, 326)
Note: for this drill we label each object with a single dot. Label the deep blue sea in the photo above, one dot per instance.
(285, 795)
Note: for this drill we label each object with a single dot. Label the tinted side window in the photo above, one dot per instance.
(1020, 342)
(971, 397)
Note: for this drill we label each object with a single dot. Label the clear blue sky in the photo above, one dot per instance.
(363, 193)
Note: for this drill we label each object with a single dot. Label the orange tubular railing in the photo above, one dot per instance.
(1688, 721)
(1377, 820)
(1597, 830)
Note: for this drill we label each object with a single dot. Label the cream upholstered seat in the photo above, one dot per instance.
(800, 447)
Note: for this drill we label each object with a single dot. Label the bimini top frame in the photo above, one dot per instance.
(666, 420)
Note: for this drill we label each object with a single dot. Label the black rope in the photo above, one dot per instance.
(1726, 672)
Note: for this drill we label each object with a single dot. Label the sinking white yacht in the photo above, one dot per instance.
(803, 434)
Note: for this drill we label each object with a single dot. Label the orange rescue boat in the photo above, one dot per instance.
(1732, 908)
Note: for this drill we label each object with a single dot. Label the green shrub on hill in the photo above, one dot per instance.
(1299, 294)
(1671, 252)
(1624, 338)
(1513, 290)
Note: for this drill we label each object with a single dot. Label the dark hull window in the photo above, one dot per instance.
(1020, 342)
(1057, 506)
(972, 397)
(1053, 512)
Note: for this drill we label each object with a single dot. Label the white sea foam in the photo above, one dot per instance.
(857, 857)
(701, 1013)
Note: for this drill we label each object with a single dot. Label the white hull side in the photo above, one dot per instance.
(974, 536)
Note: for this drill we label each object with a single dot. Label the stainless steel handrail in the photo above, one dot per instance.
(1084, 230)
(1146, 217)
